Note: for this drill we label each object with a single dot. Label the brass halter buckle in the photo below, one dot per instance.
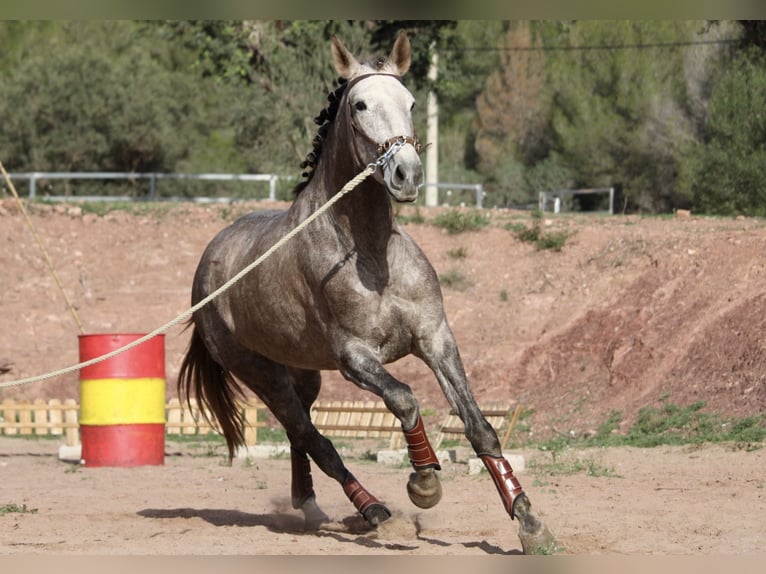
(386, 145)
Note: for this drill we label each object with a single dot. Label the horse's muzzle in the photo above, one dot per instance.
(403, 175)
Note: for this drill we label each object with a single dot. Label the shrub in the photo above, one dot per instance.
(457, 221)
(728, 175)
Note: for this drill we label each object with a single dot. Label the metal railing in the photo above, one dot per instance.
(35, 176)
(477, 187)
(555, 197)
(153, 178)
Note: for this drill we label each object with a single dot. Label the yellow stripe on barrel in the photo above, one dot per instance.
(122, 401)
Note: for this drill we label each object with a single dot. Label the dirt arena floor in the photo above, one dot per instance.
(708, 500)
(631, 312)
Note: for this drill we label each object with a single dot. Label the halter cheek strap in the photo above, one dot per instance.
(381, 148)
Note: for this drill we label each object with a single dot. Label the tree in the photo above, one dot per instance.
(91, 98)
(511, 118)
(597, 104)
(729, 174)
(618, 115)
(292, 74)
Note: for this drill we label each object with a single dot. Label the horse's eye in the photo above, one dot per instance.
(360, 106)
(412, 107)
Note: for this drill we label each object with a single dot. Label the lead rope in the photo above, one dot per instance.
(40, 245)
(352, 184)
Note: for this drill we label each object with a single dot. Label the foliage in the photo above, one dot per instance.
(76, 106)
(543, 240)
(671, 424)
(729, 173)
(622, 117)
(458, 253)
(16, 508)
(454, 279)
(524, 106)
(563, 112)
(293, 73)
(415, 217)
(565, 466)
(511, 117)
(458, 221)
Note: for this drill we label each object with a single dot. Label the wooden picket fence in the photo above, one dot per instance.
(41, 417)
(61, 418)
(360, 419)
(501, 416)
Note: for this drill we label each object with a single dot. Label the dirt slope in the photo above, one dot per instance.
(630, 311)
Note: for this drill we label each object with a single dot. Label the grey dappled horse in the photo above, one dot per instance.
(351, 292)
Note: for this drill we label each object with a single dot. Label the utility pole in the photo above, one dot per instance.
(432, 153)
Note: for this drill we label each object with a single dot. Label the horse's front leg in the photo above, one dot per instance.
(440, 353)
(361, 366)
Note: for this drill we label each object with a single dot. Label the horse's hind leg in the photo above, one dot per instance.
(276, 386)
(307, 385)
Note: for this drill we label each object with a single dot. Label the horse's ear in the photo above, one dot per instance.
(401, 53)
(344, 62)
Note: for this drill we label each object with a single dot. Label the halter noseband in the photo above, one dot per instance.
(381, 148)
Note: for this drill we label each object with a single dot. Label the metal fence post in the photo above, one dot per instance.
(273, 188)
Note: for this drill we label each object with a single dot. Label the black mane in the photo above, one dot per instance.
(323, 120)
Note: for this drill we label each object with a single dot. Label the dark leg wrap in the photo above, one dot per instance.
(358, 494)
(302, 487)
(422, 455)
(507, 484)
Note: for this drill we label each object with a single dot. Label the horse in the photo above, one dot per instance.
(352, 292)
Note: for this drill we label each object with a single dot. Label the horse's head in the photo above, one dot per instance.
(380, 109)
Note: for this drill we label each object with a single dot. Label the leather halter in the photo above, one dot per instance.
(381, 148)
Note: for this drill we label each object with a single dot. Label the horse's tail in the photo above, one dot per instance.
(216, 390)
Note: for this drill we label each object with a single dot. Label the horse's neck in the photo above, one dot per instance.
(368, 216)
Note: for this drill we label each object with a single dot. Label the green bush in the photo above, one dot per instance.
(457, 221)
(729, 169)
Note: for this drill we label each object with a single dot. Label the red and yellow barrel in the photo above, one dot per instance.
(122, 401)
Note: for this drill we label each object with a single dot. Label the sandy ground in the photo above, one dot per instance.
(631, 312)
(667, 501)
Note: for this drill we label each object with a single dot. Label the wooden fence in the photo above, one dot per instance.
(41, 417)
(502, 419)
(358, 419)
(61, 418)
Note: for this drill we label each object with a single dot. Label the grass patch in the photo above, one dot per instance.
(671, 424)
(674, 424)
(16, 509)
(458, 253)
(272, 435)
(565, 466)
(458, 221)
(136, 208)
(543, 240)
(454, 279)
(416, 218)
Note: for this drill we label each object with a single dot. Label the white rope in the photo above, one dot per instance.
(369, 170)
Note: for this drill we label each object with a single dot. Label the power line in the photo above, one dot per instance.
(651, 45)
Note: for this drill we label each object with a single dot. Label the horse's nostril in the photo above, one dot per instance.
(398, 174)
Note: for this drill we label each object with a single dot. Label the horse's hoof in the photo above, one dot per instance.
(534, 535)
(539, 541)
(424, 490)
(376, 514)
(313, 516)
